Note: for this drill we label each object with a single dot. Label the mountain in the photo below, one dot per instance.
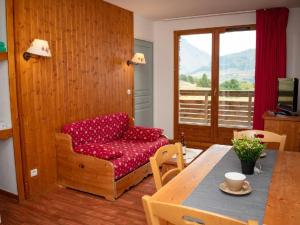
(241, 61)
(191, 58)
(194, 61)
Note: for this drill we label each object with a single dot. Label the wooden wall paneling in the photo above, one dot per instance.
(13, 99)
(87, 75)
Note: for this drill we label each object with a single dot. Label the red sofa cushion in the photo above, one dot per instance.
(101, 129)
(135, 154)
(142, 134)
(99, 151)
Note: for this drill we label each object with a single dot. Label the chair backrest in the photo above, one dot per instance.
(264, 136)
(162, 155)
(181, 215)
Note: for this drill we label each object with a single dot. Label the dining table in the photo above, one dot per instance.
(283, 196)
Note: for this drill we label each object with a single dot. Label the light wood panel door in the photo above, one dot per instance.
(143, 85)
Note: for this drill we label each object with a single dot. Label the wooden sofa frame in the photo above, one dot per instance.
(91, 174)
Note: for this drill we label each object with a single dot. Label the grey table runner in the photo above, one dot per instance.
(207, 195)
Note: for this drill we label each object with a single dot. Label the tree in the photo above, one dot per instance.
(203, 81)
(190, 79)
(232, 84)
(247, 86)
(183, 77)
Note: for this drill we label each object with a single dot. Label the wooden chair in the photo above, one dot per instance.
(266, 136)
(158, 212)
(162, 155)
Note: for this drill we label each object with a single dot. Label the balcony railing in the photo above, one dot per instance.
(235, 108)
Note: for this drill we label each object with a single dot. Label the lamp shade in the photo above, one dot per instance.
(139, 58)
(40, 48)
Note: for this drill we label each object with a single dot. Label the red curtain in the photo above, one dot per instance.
(270, 60)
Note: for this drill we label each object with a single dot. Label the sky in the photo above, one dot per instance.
(230, 42)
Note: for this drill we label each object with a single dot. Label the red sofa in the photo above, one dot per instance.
(111, 141)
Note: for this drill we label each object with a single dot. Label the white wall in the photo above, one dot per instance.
(143, 28)
(164, 60)
(293, 46)
(8, 178)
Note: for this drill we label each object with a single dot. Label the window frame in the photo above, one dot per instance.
(210, 134)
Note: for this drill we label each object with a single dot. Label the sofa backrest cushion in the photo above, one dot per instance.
(101, 129)
(143, 134)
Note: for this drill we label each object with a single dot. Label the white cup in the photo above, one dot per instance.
(236, 181)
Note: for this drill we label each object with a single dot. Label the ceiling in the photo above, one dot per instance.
(169, 9)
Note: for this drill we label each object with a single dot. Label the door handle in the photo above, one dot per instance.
(215, 92)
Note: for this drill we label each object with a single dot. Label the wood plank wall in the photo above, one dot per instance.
(87, 75)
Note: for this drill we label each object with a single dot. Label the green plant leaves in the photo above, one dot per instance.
(248, 149)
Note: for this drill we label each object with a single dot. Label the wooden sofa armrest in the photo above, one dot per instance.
(63, 142)
(83, 172)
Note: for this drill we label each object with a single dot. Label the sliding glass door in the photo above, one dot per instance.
(236, 79)
(193, 91)
(214, 83)
(195, 71)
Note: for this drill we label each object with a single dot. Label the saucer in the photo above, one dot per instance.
(223, 187)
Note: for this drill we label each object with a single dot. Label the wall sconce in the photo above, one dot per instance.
(37, 48)
(138, 58)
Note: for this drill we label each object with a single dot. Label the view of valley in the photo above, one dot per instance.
(236, 69)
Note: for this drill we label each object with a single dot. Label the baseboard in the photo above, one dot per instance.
(8, 194)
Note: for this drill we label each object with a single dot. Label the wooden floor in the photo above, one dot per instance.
(69, 207)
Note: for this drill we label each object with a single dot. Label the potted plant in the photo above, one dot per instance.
(248, 150)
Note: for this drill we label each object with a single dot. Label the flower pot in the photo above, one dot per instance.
(247, 167)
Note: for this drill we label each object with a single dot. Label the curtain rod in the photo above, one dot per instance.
(209, 15)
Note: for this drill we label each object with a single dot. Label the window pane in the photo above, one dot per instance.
(236, 79)
(195, 57)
